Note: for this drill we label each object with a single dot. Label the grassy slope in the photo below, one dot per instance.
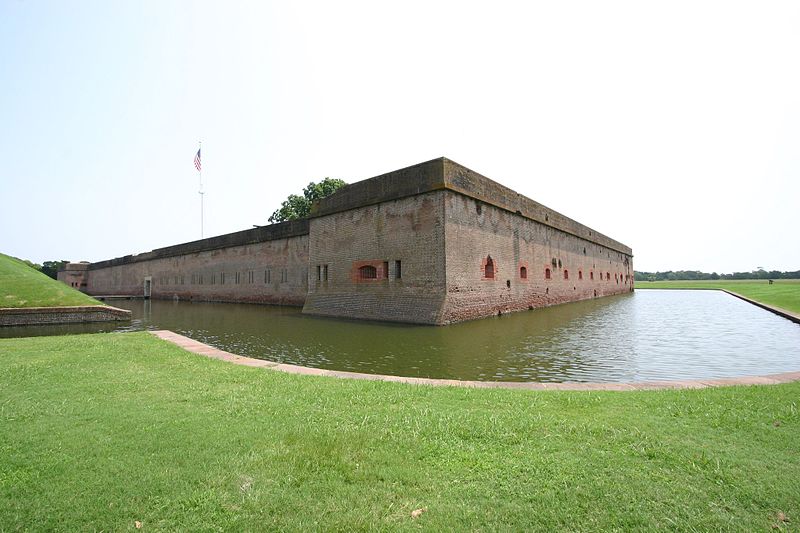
(99, 431)
(22, 286)
(784, 293)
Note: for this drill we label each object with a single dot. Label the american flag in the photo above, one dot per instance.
(197, 160)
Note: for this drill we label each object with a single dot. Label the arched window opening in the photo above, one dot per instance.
(523, 272)
(591, 275)
(580, 274)
(608, 276)
(566, 274)
(546, 273)
(368, 272)
(488, 270)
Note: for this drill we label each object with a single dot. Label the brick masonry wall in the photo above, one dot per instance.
(459, 178)
(274, 272)
(282, 230)
(475, 231)
(442, 173)
(75, 275)
(36, 316)
(409, 230)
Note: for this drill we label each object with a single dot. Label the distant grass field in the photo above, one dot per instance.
(783, 293)
(23, 286)
(99, 432)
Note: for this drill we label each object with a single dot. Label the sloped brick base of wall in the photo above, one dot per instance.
(38, 316)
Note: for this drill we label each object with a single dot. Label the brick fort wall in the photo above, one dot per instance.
(379, 262)
(499, 261)
(239, 267)
(433, 243)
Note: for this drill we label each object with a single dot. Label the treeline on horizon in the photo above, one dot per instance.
(675, 275)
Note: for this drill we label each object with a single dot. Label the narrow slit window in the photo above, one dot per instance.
(398, 270)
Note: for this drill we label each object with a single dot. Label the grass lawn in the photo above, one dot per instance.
(22, 286)
(100, 431)
(784, 293)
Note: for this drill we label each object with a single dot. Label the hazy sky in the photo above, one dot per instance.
(673, 127)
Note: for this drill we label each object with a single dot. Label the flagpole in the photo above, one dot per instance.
(200, 170)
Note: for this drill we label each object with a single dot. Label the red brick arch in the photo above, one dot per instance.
(361, 270)
(489, 268)
(523, 270)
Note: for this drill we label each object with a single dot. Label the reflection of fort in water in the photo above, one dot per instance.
(435, 243)
(631, 337)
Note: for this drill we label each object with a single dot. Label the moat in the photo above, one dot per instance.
(648, 335)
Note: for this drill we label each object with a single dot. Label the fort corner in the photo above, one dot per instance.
(434, 243)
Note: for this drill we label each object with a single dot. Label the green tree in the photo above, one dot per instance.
(296, 206)
(51, 268)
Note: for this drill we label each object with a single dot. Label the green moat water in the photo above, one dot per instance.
(647, 335)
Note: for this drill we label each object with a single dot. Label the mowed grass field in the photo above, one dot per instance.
(783, 293)
(110, 431)
(23, 286)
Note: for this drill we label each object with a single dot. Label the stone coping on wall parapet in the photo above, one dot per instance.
(198, 347)
(271, 232)
(444, 174)
(434, 175)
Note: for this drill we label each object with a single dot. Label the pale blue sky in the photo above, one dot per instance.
(672, 127)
